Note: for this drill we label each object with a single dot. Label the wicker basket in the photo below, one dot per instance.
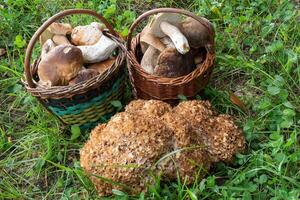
(147, 86)
(86, 103)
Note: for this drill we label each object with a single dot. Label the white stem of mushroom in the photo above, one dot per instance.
(149, 59)
(179, 40)
(99, 51)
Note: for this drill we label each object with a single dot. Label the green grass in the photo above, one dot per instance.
(258, 48)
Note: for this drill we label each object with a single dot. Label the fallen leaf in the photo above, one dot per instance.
(236, 101)
(2, 51)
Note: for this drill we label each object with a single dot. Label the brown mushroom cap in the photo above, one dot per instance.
(173, 64)
(86, 35)
(195, 32)
(60, 28)
(83, 75)
(154, 25)
(101, 67)
(60, 39)
(55, 29)
(47, 47)
(60, 65)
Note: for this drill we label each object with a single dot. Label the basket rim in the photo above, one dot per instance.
(58, 92)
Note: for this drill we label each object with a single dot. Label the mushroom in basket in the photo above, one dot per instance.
(64, 64)
(173, 47)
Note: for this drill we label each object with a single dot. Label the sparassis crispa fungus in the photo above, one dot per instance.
(151, 138)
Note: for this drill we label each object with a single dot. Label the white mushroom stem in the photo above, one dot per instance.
(99, 51)
(179, 40)
(149, 59)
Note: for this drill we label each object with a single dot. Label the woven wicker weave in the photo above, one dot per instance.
(147, 86)
(86, 103)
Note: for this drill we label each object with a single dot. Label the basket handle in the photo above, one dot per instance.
(46, 24)
(167, 10)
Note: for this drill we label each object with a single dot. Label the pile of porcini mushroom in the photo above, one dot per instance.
(173, 47)
(152, 138)
(72, 55)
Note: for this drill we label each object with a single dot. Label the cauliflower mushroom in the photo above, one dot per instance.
(123, 150)
(222, 138)
(150, 135)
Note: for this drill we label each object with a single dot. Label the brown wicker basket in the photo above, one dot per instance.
(147, 86)
(86, 103)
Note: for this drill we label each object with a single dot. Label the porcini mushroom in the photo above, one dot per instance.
(99, 51)
(47, 46)
(86, 35)
(170, 63)
(55, 29)
(60, 65)
(165, 24)
(196, 33)
(83, 75)
(148, 39)
(149, 60)
(101, 67)
(98, 25)
(60, 39)
(60, 28)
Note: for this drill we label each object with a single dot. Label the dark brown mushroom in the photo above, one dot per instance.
(196, 34)
(172, 64)
(83, 75)
(60, 65)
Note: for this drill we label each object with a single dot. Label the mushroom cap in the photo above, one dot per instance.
(101, 67)
(124, 150)
(98, 25)
(60, 39)
(83, 75)
(86, 35)
(46, 35)
(60, 28)
(47, 46)
(222, 138)
(60, 65)
(154, 25)
(196, 34)
(147, 38)
(171, 63)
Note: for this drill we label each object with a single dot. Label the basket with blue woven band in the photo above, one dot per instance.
(86, 103)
